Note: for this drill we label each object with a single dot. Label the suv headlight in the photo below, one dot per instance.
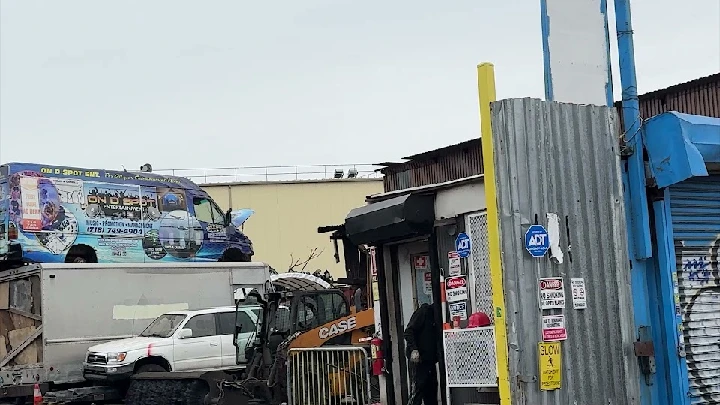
(116, 357)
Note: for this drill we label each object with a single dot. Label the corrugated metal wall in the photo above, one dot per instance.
(695, 209)
(456, 163)
(563, 159)
(699, 97)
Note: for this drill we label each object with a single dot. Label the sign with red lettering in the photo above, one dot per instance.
(456, 289)
(553, 328)
(31, 217)
(552, 293)
(454, 264)
(427, 283)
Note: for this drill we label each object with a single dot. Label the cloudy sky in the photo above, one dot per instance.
(225, 83)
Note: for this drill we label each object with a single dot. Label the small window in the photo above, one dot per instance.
(282, 320)
(308, 314)
(244, 322)
(334, 306)
(218, 216)
(202, 325)
(226, 323)
(203, 210)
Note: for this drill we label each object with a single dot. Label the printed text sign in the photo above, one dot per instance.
(550, 362)
(579, 295)
(456, 289)
(552, 293)
(553, 328)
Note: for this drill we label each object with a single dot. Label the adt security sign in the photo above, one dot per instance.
(537, 241)
(462, 245)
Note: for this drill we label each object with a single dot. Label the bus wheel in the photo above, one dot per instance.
(234, 255)
(81, 254)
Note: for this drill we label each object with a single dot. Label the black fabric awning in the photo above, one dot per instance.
(389, 220)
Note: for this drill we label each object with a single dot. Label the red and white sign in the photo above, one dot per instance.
(553, 328)
(31, 217)
(552, 293)
(454, 264)
(456, 289)
(427, 283)
(421, 262)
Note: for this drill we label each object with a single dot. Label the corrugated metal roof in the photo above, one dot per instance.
(699, 97)
(702, 81)
(563, 159)
(423, 189)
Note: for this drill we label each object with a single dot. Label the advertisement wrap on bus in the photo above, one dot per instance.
(62, 214)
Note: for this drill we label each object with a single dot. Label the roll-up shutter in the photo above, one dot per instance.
(695, 208)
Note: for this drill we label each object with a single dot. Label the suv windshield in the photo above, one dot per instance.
(163, 326)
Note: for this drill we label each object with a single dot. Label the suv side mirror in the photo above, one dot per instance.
(185, 333)
(228, 217)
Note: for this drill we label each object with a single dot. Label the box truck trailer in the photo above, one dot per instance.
(50, 314)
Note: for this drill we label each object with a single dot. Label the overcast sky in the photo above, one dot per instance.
(220, 83)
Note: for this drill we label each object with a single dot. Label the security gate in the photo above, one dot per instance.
(328, 376)
(695, 209)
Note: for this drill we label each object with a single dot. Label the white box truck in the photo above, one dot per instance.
(50, 314)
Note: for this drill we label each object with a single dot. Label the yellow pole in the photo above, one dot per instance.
(486, 93)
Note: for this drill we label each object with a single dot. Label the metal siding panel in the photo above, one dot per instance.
(699, 97)
(562, 158)
(695, 209)
(452, 165)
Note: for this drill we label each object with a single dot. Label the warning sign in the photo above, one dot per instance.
(553, 328)
(579, 296)
(458, 309)
(456, 289)
(552, 293)
(454, 265)
(427, 283)
(549, 358)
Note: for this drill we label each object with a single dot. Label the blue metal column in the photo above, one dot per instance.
(639, 210)
(647, 295)
(677, 372)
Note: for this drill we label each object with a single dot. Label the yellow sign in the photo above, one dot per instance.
(549, 357)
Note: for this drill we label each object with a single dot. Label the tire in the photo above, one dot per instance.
(78, 259)
(150, 368)
(167, 392)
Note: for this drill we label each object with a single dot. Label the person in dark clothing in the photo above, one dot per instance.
(421, 337)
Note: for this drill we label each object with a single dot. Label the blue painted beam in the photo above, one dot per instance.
(639, 210)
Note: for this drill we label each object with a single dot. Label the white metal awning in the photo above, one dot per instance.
(299, 282)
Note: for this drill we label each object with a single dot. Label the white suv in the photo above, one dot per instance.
(176, 341)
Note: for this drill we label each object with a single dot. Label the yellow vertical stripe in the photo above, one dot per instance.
(486, 93)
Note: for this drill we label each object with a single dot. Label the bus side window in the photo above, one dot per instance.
(203, 210)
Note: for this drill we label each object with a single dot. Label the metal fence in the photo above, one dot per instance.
(470, 357)
(328, 376)
(223, 175)
(558, 164)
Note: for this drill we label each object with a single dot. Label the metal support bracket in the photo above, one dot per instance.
(645, 352)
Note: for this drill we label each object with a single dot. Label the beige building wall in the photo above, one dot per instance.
(287, 215)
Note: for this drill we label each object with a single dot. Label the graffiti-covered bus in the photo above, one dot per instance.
(74, 215)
